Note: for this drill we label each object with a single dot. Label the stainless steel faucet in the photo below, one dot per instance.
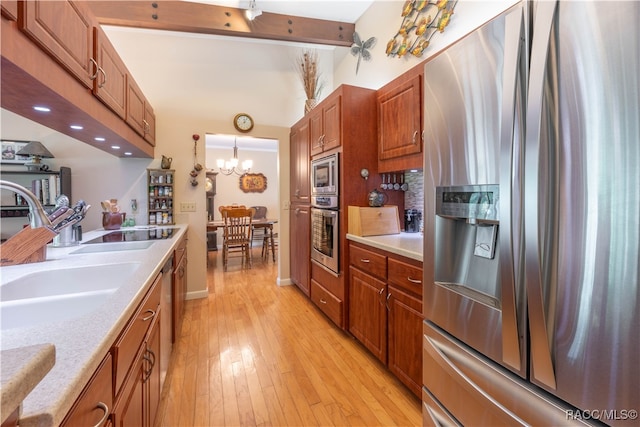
(37, 216)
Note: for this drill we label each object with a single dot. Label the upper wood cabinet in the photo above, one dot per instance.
(300, 190)
(324, 124)
(140, 114)
(65, 30)
(110, 85)
(9, 9)
(400, 114)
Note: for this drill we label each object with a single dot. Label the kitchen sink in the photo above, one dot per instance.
(62, 294)
(33, 311)
(113, 247)
(67, 281)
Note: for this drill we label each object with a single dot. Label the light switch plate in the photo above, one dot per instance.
(188, 207)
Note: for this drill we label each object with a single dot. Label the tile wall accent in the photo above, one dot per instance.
(414, 196)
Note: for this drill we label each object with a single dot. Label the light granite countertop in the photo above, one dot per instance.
(82, 343)
(21, 370)
(409, 245)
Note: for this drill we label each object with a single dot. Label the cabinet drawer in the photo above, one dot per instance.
(407, 276)
(126, 348)
(370, 262)
(327, 302)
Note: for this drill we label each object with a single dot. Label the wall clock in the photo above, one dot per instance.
(243, 122)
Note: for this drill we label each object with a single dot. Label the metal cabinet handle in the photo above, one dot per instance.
(104, 75)
(365, 260)
(321, 141)
(418, 281)
(95, 74)
(153, 313)
(104, 418)
(387, 302)
(381, 291)
(323, 301)
(414, 139)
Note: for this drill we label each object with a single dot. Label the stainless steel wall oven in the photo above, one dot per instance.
(325, 240)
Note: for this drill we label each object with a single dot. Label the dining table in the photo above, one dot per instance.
(266, 223)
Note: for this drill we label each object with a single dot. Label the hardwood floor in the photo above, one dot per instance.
(254, 353)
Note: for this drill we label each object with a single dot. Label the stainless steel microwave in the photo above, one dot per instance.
(324, 182)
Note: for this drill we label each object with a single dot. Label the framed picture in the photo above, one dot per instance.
(253, 183)
(10, 150)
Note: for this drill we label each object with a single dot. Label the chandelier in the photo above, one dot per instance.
(227, 167)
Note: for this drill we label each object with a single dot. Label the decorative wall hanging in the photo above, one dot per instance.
(253, 183)
(421, 20)
(361, 50)
(307, 67)
(197, 167)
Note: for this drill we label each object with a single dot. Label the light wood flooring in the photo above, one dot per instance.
(254, 353)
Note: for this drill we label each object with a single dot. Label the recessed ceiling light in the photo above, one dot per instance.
(128, 153)
(99, 138)
(76, 127)
(42, 108)
(115, 147)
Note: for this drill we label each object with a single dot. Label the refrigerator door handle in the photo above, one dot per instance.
(511, 349)
(542, 369)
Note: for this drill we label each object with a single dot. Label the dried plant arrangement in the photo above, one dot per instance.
(307, 68)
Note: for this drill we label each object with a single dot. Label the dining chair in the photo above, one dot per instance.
(259, 233)
(237, 234)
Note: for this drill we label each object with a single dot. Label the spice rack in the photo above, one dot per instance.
(160, 183)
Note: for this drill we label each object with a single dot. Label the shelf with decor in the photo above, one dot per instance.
(46, 185)
(161, 196)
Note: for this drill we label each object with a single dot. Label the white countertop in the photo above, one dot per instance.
(82, 343)
(409, 245)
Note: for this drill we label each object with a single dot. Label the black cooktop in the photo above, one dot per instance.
(135, 235)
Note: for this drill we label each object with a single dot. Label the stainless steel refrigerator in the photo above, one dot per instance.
(532, 219)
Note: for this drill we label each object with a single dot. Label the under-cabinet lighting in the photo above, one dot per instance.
(42, 108)
(100, 139)
(128, 153)
(76, 127)
(115, 147)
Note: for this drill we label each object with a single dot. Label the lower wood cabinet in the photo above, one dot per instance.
(385, 310)
(94, 406)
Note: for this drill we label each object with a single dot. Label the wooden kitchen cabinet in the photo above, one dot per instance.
(300, 189)
(94, 406)
(65, 30)
(324, 125)
(137, 370)
(368, 311)
(140, 114)
(9, 9)
(179, 292)
(300, 239)
(400, 112)
(110, 84)
(385, 310)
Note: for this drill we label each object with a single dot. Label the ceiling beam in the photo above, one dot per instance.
(220, 20)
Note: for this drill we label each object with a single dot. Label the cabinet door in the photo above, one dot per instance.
(316, 131)
(399, 120)
(331, 123)
(135, 106)
(152, 374)
(299, 153)
(65, 30)
(368, 312)
(95, 404)
(300, 244)
(10, 9)
(131, 408)
(110, 85)
(149, 124)
(405, 338)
